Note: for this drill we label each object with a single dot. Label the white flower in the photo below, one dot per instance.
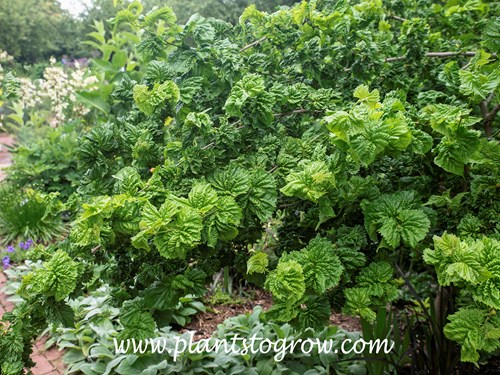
(57, 91)
(5, 57)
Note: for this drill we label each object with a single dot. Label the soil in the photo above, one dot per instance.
(205, 324)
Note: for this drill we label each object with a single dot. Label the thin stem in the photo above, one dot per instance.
(437, 54)
(397, 18)
(258, 41)
(488, 116)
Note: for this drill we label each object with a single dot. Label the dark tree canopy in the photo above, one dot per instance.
(33, 30)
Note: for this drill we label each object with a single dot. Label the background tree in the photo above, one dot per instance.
(34, 30)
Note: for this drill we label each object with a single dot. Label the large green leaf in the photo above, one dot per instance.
(257, 263)
(454, 152)
(179, 236)
(262, 195)
(408, 227)
(311, 182)
(57, 278)
(286, 282)
(471, 329)
(321, 266)
(223, 223)
(136, 320)
(148, 100)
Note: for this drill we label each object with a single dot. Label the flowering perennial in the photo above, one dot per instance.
(58, 89)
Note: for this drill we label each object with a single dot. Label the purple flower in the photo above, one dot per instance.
(25, 245)
(10, 249)
(6, 261)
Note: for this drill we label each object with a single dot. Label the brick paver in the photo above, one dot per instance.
(48, 362)
(5, 140)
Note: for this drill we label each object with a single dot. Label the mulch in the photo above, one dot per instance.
(205, 324)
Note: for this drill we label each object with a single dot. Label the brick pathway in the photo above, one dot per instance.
(48, 362)
(4, 154)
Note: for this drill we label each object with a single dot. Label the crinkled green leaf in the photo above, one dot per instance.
(465, 327)
(315, 313)
(358, 302)
(262, 196)
(232, 180)
(453, 152)
(148, 100)
(456, 261)
(393, 216)
(321, 266)
(180, 235)
(310, 183)
(409, 227)
(257, 263)
(364, 95)
(202, 197)
(223, 223)
(136, 320)
(57, 278)
(286, 282)
(478, 85)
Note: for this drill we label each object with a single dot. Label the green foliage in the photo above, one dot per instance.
(456, 261)
(477, 81)
(90, 348)
(148, 100)
(386, 326)
(375, 287)
(47, 160)
(29, 215)
(311, 183)
(43, 289)
(459, 142)
(229, 11)
(257, 263)
(302, 278)
(474, 266)
(54, 33)
(137, 323)
(57, 278)
(182, 223)
(371, 128)
(212, 139)
(394, 217)
(89, 345)
(322, 268)
(475, 331)
(11, 86)
(287, 282)
(251, 94)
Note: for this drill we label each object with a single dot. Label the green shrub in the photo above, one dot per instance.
(46, 159)
(332, 141)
